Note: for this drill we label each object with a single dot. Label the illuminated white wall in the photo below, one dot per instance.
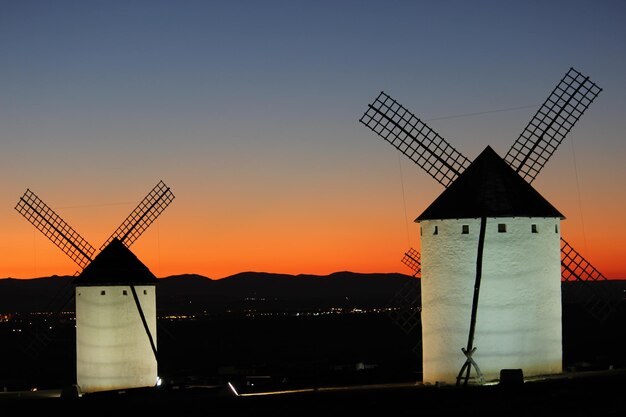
(519, 310)
(112, 348)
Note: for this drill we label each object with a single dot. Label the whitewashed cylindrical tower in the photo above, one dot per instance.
(115, 322)
(518, 320)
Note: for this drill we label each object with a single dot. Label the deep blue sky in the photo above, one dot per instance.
(249, 110)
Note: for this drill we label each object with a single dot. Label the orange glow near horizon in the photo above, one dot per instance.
(337, 241)
(186, 240)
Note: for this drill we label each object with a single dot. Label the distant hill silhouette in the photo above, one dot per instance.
(278, 292)
(248, 290)
(34, 295)
(258, 291)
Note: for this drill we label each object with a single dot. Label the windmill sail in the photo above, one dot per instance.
(398, 126)
(412, 259)
(55, 228)
(143, 215)
(43, 331)
(600, 304)
(404, 308)
(552, 122)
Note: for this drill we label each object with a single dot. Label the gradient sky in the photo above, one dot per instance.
(249, 112)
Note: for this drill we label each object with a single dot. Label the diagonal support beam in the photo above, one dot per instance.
(470, 339)
(467, 366)
(144, 322)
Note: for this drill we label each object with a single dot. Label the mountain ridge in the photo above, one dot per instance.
(185, 292)
(259, 292)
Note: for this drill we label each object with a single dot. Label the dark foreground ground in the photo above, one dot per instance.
(348, 365)
(591, 393)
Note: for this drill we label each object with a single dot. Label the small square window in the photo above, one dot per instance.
(533, 228)
(501, 228)
(465, 229)
(124, 292)
(103, 292)
(436, 231)
(556, 228)
(145, 292)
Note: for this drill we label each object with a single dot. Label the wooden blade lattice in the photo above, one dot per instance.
(48, 323)
(405, 307)
(398, 126)
(552, 122)
(143, 215)
(55, 228)
(600, 304)
(412, 259)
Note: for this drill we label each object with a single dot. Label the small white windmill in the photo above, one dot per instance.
(115, 295)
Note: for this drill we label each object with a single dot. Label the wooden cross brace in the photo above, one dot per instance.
(467, 366)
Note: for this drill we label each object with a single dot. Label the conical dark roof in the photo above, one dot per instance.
(116, 265)
(489, 187)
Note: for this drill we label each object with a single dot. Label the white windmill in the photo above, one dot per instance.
(491, 245)
(115, 294)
